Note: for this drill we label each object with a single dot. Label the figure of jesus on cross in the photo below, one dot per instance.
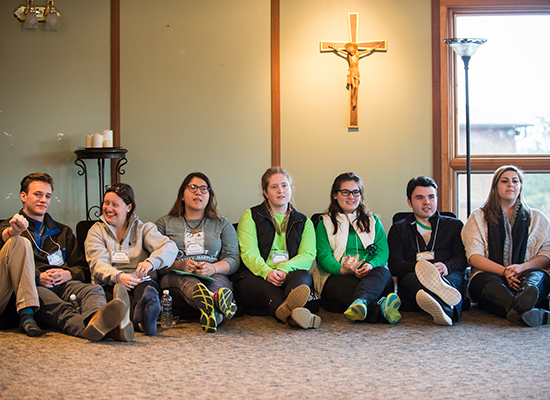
(353, 51)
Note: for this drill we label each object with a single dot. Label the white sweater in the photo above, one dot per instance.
(474, 236)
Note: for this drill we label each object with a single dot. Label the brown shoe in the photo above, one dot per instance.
(124, 332)
(104, 320)
(295, 299)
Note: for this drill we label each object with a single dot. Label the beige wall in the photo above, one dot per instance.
(52, 83)
(195, 95)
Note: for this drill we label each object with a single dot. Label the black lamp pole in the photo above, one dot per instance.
(466, 48)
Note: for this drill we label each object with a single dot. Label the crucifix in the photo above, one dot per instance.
(353, 51)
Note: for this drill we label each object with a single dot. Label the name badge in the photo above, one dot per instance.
(194, 248)
(56, 258)
(425, 255)
(194, 243)
(279, 257)
(120, 257)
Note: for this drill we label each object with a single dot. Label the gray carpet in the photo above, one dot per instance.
(483, 357)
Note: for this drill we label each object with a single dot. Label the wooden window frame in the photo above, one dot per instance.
(446, 164)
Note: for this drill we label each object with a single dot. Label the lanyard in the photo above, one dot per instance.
(39, 249)
(435, 237)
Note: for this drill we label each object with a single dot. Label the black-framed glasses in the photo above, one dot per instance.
(371, 249)
(193, 188)
(346, 192)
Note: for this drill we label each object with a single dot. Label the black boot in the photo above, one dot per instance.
(536, 317)
(533, 288)
(497, 298)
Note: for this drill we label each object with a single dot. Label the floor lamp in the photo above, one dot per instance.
(466, 48)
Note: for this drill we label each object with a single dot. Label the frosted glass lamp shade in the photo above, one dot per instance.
(31, 20)
(52, 22)
(465, 47)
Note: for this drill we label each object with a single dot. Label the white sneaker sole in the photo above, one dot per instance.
(429, 277)
(432, 307)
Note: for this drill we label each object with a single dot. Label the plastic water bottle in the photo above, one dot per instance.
(75, 303)
(166, 318)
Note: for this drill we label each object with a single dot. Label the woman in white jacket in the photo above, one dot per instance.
(508, 246)
(124, 255)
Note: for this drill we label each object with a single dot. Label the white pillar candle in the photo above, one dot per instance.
(98, 140)
(107, 143)
(108, 135)
(89, 141)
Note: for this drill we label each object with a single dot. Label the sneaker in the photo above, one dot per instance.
(223, 302)
(429, 277)
(205, 303)
(389, 306)
(357, 311)
(296, 298)
(432, 307)
(303, 318)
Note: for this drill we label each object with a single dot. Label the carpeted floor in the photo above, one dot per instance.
(483, 357)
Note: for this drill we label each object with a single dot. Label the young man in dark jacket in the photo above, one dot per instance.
(427, 256)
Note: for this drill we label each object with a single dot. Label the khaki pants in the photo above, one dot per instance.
(17, 274)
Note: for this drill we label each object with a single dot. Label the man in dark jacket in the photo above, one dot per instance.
(60, 268)
(427, 256)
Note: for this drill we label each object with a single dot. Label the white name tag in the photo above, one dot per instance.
(120, 257)
(426, 255)
(56, 258)
(279, 257)
(194, 243)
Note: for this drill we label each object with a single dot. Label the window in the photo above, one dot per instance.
(509, 101)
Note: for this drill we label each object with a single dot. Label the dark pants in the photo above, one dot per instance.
(531, 277)
(135, 295)
(259, 297)
(57, 311)
(409, 285)
(341, 290)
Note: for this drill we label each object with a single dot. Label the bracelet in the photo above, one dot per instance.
(215, 268)
(8, 231)
(504, 272)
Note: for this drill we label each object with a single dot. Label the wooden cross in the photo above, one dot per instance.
(353, 51)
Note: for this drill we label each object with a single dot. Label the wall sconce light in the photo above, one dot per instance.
(32, 15)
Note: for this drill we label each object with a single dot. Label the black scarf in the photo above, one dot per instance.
(496, 237)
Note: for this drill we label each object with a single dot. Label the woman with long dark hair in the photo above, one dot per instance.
(508, 246)
(352, 254)
(208, 252)
(277, 245)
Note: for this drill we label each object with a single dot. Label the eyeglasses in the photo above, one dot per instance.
(193, 188)
(346, 192)
(115, 188)
(371, 249)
